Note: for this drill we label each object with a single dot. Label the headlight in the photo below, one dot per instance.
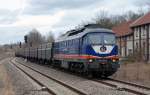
(113, 60)
(90, 60)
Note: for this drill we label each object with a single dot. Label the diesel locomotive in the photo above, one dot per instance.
(91, 50)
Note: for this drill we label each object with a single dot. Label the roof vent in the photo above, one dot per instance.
(74, 32)
(92, 26)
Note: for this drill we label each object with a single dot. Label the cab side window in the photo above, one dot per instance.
(85, 40)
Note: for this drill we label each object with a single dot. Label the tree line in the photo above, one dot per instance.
(103, 19)
(106, 20)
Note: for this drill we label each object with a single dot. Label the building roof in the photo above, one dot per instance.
(142, 20)
(123, 29)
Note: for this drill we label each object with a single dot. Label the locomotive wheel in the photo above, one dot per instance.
(96, 74)
(104, 76)
(88, 74)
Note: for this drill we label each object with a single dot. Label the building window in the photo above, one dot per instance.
(136, 45)
(144, 30)
(144, 46)
(130, 38)
(129, 51)
(136, 32)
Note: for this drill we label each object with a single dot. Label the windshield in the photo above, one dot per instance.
(109, 38)
(101, 38)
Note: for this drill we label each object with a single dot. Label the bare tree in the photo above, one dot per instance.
(105, 20)
(34, 38)
(50, 38)
(130, 15)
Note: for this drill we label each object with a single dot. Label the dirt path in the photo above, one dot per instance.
(6, 87)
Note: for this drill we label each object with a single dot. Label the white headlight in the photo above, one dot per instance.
(90, 60)
(114, 60)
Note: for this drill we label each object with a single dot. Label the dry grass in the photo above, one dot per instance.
(138, 72)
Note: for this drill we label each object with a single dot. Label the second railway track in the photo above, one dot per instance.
(38, 82)
(72, 90)
(124, 86)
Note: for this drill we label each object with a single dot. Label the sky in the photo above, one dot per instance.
(18, 17)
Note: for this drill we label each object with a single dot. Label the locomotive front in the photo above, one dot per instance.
(102, 52)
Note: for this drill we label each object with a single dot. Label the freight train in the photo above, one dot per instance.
(91, 50)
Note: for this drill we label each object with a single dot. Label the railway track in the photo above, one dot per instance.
(128, 83)
(124, 86)
(35, 80)
(117, 84)
(74, 90)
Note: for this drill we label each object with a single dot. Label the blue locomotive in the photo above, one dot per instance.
(91, 50)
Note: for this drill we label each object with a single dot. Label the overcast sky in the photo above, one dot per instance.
(18, 17)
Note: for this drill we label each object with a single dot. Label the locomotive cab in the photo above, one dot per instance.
(101, 51)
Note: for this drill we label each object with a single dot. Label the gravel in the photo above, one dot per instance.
(54, 86)
(90, 87)
(22, 85)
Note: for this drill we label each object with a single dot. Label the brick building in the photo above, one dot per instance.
(141, 31)
(124, 38)
(134, 37)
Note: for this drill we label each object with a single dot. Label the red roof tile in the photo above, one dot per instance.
(142, 20)
(123, 28)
